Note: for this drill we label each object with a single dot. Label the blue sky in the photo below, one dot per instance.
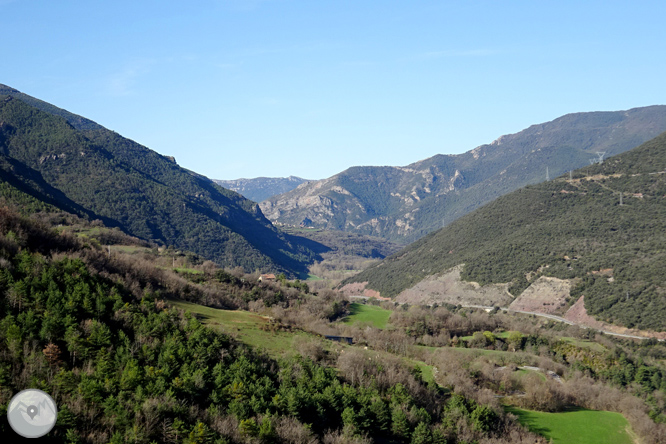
(247, 88)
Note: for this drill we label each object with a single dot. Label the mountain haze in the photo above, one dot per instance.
(78, 166)
(261, 188)
(405, 203)
(603, 231)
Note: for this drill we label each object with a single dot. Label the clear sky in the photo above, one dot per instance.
(247, 88)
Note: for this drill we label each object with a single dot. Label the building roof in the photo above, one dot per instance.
(267, 276)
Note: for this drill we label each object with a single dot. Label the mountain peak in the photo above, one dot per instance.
(433, 192)
(262, 188)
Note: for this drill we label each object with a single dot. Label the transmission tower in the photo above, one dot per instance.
(599, 159)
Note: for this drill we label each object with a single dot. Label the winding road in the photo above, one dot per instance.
(559, 319)
(543, 315)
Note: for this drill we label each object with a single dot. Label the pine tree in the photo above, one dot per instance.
(422, 434)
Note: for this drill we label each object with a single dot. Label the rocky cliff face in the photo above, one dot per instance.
(261, 188)
(369, 200)
(405, 203)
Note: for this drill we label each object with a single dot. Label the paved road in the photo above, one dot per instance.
(543, 315)
(558, 318)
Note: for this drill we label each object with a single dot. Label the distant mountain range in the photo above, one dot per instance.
(405, 203)
(56, 159)
(600, 231)
(261, 188)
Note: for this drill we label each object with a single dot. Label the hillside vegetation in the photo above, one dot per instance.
(94, 331)
(92, 326)
(403, 204)
(570, 229)
(80, 167)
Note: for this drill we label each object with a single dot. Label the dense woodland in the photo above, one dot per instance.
(570, 229)
(82, 168)
(123, 367)
(96, 331)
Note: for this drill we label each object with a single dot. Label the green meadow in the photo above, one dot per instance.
(503, 335)
(591, 345)
(187, 270)
(576, 426)
(502, 356)
(370, 314)
(245, 326)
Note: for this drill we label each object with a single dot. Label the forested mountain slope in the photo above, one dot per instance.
(605, 228)
(122, 366)
(405, 203)
(261, 188)
(81, 167)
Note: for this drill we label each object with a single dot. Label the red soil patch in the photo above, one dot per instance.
(358, 289)
(578, 315)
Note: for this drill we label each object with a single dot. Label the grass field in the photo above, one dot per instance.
(187, 270)
(245, 326)
(503, 335)
(129, 249)
(577, 426)
(521, 373)
(427, 371)
(594, 346)
(371, 314)
(476, 352)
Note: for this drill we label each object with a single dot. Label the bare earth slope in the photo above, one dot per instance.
(546, 295)
(448, 288)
